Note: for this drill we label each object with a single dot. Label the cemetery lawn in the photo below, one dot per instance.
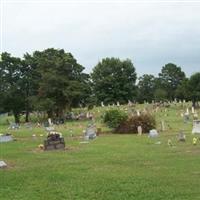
(113, 166)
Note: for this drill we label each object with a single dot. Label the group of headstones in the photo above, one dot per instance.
(79, 116)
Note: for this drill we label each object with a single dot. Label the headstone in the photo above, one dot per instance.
(169, 142)
(102, 104)
(187, 111)
(50, 122)
(186, 117)
(162, 125)
(5, 138)
(181, 137)
(193, 110)
(14, 126)
(129, 103)
(138, 113)
(118, 104)
(139, 129)
(90, 133)
(153, 133)
(54, 141)
(195, 116)
(2, 164)
(49, 129)
(196, 126)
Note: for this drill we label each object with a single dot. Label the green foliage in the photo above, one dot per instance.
(146, 88)
(62, 83)
(171, 76)
(146, 121)
(183, 91)
(114, 80)
(160, 95)
(194, 88)
(113, 118)
(11, 86)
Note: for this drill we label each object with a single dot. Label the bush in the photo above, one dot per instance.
(113, 118)
(146, 121)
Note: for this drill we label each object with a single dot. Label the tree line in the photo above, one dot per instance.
(53, 81)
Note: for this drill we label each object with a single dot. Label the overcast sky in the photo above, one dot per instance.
(150, 34)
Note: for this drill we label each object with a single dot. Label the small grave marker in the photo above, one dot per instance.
(2, 164)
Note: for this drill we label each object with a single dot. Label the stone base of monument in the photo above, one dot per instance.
(54, 142)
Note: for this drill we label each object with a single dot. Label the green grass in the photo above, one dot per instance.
(113, 166)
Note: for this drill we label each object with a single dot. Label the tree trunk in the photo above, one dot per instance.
(194, 103)
(27, 116)
(50, 114)
(17, 117)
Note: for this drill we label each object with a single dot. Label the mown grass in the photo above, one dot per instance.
(113, 166)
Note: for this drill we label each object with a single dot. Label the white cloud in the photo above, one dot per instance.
(150, 34)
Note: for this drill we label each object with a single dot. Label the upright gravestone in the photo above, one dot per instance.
(196, 126)
(181, 137)
(90, 133)
(139, 129)
(186, 117)
(50, 122)
(163, 125)
(193, 111)
(129, 103)
(102, 104)
(195, 116)
(118, 104)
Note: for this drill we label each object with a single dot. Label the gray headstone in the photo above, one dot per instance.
(90, 133)
(5, 138)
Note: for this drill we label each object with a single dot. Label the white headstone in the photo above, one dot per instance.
(153, 133)
(139, 129)
(50, 123)
(138, 113)
(118, 104)
(102, 104)
(193, 110)
(2, 164)
(196, 126)
(162, 125)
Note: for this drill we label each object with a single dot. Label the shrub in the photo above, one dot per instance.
(146, 121)
(113, 118)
